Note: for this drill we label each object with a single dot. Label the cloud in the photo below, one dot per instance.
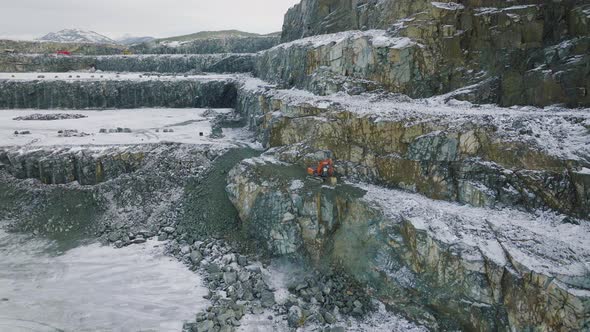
(160, 18)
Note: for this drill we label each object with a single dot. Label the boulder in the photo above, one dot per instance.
(196, 257)
(295, 317)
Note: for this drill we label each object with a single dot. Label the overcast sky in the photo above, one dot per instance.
(29, 19)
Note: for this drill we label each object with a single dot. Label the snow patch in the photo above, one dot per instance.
(379, 39)
(296, 185)
(76, 36)
(147, 126)
(554, 130)
(448, 5)
(541, 242)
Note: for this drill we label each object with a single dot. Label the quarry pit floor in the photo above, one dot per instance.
(122, 126)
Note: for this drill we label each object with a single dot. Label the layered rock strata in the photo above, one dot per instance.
(131, 91)
(453, 266)
(220, 63)
(483, 156)
(522, 52)
(97, 190)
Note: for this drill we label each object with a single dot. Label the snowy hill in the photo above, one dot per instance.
(132, 40)
(77, 36)
(223, 34)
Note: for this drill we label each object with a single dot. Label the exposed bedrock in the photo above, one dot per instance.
(315, 17)
(475, 155)
(111, 93)
(65, 165)
(524, 52)
(350, 61)
(102, 191)
(220, 63)
(209, 45)
(470, 268)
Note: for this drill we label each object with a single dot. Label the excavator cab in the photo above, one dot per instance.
(324, 170)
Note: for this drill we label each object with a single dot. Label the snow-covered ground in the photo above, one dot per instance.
(147, 126)
(97, 76)
(542, 242)
(93, 287)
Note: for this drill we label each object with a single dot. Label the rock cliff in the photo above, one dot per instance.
(517, 53)
(58, 191)
(114, 91)
(454, 152)
(455, 267)
(219, 63)
(461, 252)
(457, 129)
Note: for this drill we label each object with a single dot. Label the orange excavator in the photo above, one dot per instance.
(325, 169)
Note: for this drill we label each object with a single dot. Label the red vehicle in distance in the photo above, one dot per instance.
(63, 52)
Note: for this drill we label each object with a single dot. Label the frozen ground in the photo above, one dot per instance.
(147, 126)
(93, 288)
(98, 76)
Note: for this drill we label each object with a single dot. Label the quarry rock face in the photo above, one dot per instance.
(462, 265)
(116, 93)
(69, 165)
(522, 53)
(451, 256)
(62, 190)
(470, 158)
(350, 61)
(453, 204)
(219, 63)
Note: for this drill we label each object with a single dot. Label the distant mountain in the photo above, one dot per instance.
(209, 42)
(77, 36)
(131, 40)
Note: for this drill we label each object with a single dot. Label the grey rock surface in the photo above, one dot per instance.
(406, 239)
(116, 94)
(521, 52)
(219, 63)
